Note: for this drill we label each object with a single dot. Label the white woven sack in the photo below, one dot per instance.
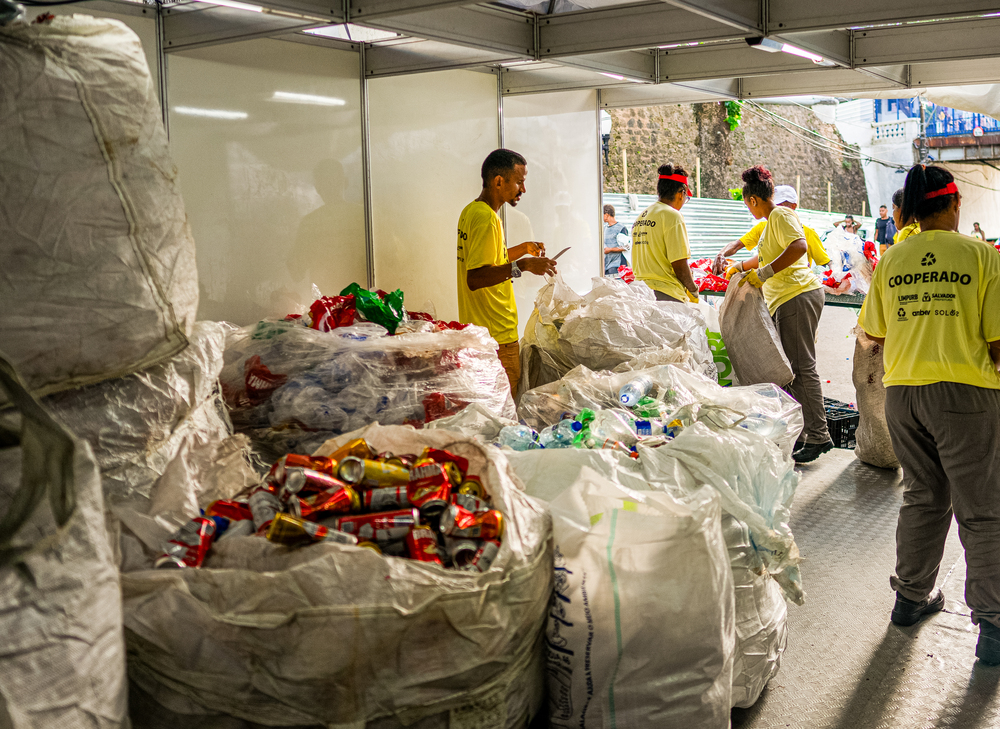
(99, 275)
(751, 338)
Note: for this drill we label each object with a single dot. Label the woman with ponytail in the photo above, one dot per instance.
(795, 300)
(660, 249)
(934, 304)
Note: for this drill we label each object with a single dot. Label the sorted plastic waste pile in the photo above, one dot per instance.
(852, 262)
(615, 324)
(704, 279)
(291, 386)
(424, 507)
(421, 628)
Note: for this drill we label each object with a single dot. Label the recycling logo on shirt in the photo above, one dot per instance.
(901, 313)
(929, 260)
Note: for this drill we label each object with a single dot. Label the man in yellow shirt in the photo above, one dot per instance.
(486, 266)
(660, 249)
(786, 197)
(934, 305)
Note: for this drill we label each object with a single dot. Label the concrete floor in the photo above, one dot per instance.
(835, 352)
(846, 665)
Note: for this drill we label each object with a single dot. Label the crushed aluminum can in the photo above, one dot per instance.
(189, 546)
(473, 486)
(389, 498)
(384, 527)
(457, 521)
(357, 448)
(241, 528)
(429, 489)
(294, 460)
(286, 529)
(371, 474)
(487, 552)
(264, 504)
(422, 545)
(341, 500)
(307, 482)
(461, 551)
(232, 510)
(470, 502)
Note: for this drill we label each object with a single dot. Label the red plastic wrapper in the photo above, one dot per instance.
(260, 381)
(457, 521)
(441, 325)
(429, 488)
(626, 275)
(422, 546)
(189, 546)
(330, 312)
(711, 282)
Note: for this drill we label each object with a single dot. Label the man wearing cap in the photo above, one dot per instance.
(787, 197)
(660, 249)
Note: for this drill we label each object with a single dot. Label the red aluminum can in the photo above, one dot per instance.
(386, 499)
(341, 500)
(295, 460)
(388, 526)
(470, 502)
(232, 510)
(484, 556)
(422, 545)
(458, 465)
(461, 551)
(429, 489)
(189, 546)
(306, 482)
(457, 521)
(264, 504)
(474, 486)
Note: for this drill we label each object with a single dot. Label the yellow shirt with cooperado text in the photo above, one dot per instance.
(904, 233)
(481, 243)
(935, 298)
(814, 244)
(783, 227)
(659, 237)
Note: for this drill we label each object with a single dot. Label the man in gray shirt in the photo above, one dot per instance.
(616, 242)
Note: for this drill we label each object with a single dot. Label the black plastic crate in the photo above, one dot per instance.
(842, 420)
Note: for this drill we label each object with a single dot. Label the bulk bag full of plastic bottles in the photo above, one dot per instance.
(342, 636)
(62, 653)
(99, 276)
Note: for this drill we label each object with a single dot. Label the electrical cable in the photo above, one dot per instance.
(46, 4)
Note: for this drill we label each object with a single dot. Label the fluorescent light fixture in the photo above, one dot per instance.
(615, 76)
(764, 44)
(801, 53)
(237, 5)
(292, 98)
(210, 113)
(351, 32)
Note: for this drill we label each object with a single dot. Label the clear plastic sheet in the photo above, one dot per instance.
(621, 647)
(99, 276)
(62, 655)
(137, 425)
(342, 636)
(699, 397)
(296, 381)
(751, 338)
(614, 323)
(847, 256)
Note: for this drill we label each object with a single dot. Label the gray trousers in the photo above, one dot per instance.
(797, 321)
(660, 296)
(947, 438)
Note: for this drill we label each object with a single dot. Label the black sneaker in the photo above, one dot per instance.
(811, 451)
(988, 648)
(906, 612)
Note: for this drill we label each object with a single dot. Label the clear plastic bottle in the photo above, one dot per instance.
(518, 438)
(632, 392)
(765, 425)
(613, 426)
(560, 435)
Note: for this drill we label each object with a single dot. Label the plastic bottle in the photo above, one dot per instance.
(609, 425)
(765, 425)
(518, 438)
(560, 435)
(632, 392)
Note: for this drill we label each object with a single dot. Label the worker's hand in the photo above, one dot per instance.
(758, 276)
(534, 248)
(719, 264)
(538, 266)
(692, 296)
(735, 268)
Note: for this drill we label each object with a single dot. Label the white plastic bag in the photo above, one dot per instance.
(62, 654)
(751, 338)
(874, 445)
(640, 629)
(99, 271)
(342, 636)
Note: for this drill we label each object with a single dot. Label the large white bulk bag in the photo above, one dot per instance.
(62, 653)
(99, 275)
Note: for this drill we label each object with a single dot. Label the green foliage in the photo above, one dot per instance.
(734, 114)
(736, 194)
(846, 164)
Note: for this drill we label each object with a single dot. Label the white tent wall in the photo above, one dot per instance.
(558, 134)
(429, 135)
(274, 197)
(978, 184)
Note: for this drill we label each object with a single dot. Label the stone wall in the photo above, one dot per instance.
(679, 133)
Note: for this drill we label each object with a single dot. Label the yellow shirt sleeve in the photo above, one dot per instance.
(817, 253)
(484, 244)
(872, 310)
(990, 308)
(751, 238)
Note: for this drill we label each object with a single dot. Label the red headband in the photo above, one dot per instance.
(950, 189)
(676, 178)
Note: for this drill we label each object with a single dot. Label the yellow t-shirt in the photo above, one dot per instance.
(659, 237)
(904, 233)
(936, 301)
(481, 243)
(816, 252)
(782, 228)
